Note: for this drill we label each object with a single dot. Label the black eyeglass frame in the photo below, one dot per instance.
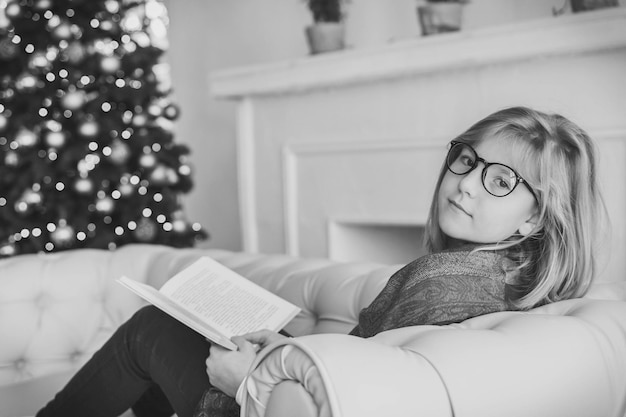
(477, 159)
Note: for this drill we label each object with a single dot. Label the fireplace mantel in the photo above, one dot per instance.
(564, 35)
(338, 153)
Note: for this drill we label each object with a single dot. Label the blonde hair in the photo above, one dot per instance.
(557, 158)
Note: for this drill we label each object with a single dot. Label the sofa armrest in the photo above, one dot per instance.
(564, 359)
(341, 375)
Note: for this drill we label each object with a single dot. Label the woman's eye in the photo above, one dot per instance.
(502, 184)
(467, 160)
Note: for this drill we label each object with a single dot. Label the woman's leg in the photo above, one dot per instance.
(153, 403)
(150, 348)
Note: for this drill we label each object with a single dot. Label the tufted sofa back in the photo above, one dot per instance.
(57, 309)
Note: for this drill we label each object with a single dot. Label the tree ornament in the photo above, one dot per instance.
(77, 31)
(33, 196)
(88, 128)
(146, 230)
(179, 222)
(163, 175)
(5, 22)
(129, 47)
(12, 158)
(148, 160)
(155, 110)
(28, 202)
(63, 31)
(13, 10)
(140, 120)
(75, 52)
(8, 249)
(132, 22)
(185, 170)
(74, 100)
(179, 226)
(172, 176)
(110, 64)
(55, 139)
(120, 152)
(7, 93)
(107, 25)
(162, 75)
(4, 122)
(8, 50)
(26, 82)
(84, 186)
(53, 125)
(43, 5)
(112, 6)
(165, 124)
(52, 53)
(157, 29)
(158, 176)
(105, 205)
(126, 189)
(25, 137)
(39, 61)
(63, 235)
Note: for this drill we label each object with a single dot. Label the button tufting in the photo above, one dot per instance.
(43, 301)
(20, 364)
(75, 356)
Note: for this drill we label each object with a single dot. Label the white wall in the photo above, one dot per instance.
(207, 35)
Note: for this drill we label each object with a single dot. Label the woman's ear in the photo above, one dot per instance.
(528, 226)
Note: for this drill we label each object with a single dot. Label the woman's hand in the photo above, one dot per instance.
(227, 368)
(262, 338)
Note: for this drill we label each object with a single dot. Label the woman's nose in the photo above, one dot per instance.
(471, 182)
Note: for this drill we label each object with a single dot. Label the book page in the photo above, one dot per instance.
(229, 302)
(172, 308)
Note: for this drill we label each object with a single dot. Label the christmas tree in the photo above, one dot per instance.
(87, 151)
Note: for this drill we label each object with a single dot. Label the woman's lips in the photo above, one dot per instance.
(459, 206)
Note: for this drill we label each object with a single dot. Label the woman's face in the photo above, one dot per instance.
(468, 213)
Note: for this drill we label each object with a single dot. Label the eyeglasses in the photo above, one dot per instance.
(498, 179)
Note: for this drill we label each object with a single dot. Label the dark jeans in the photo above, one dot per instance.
(152, 364)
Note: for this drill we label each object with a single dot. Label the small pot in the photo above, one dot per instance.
(584, 5)
(440, 17)
(326, 37)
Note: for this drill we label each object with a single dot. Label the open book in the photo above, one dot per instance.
(216, 302)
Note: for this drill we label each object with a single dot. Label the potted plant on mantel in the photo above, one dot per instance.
(327, 33)
(440, 16)
(585, 5)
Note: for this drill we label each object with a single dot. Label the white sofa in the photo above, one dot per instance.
(566, 359)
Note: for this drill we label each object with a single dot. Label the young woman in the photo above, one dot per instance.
(511, 226)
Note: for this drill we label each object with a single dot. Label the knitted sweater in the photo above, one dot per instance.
(440, 288)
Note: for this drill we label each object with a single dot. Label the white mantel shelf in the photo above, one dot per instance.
(565, 35)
